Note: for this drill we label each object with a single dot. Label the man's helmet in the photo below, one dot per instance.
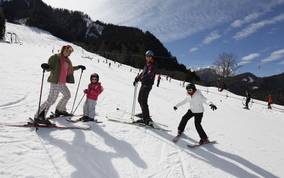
(149, 53)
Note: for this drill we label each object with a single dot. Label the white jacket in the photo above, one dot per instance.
(195, 102)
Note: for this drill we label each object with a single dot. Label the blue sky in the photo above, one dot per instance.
(197, 31)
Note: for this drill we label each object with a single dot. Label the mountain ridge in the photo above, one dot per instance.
(259, 87)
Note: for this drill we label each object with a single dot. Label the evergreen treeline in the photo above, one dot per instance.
(123, 44)
(2, 25)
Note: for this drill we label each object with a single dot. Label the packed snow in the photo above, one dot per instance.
(249, 142)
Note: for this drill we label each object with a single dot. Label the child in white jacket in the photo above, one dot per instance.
(196, 101)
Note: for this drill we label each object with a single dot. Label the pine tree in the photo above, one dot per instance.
(2, 25)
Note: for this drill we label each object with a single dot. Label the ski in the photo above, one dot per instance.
(137, 124)
(198, 145)
(183, 136)
(79, 120)
(53, 126)
(32, 124)
(54, 116)
(138, 116)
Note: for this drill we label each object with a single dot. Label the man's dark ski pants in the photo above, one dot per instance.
(143, 100)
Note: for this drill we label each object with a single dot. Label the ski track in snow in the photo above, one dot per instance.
(119, 150)
(13, 103)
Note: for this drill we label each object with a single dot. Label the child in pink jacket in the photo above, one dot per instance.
(94, 90)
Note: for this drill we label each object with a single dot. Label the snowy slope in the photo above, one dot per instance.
(250, 142)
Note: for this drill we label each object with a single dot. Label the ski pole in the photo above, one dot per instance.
(77, 91)
(41, 87)
(79, 103)
(134, 101)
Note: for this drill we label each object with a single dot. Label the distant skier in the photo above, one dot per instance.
(221, 85)
(61, 72)
(147, 78)
(93, 91)
(195, 100)
(248, 98)
(158, 80)
(269, 101)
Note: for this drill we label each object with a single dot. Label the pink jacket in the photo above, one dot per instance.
(94, 90)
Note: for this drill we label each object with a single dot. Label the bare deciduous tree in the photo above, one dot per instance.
(226, 64)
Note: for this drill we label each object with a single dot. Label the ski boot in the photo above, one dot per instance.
(140, 115)
(139, 121)
(149, 122)
(203, 141)
(177, 137)
(87, 119)
(62, 113)
(41, 121)
(82, 118)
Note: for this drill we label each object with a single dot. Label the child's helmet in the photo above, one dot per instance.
(95, 75)
(190, 86)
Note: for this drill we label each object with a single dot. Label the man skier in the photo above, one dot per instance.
(269, 101)
(248, 98)
(147, 78)
(158, 80)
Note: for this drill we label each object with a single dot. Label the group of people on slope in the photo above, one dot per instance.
(248, 100)
(61, 72)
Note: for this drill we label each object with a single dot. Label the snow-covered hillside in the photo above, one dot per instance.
(250, 142)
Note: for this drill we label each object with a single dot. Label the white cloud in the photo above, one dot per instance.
(250, 57)
(254, 27)
(274, 56)
(242, 63)
(193, 49)
(211, 37)
(282, 62)
(167, 19)
(245, 20)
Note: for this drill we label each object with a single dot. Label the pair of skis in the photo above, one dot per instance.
(70, 118)
(195, 145)
(118, 120)
(137, 124)
(80, 120)
(32, 124)
(137, 116)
